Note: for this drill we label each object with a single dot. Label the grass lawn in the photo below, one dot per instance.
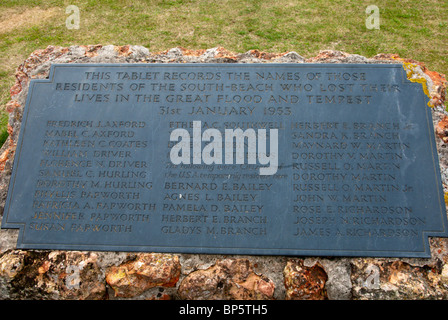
(415, 29)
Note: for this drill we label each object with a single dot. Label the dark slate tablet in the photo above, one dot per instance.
(261, 159)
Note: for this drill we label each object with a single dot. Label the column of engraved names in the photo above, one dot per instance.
(217, 199)
(346, 180)
(89, 179)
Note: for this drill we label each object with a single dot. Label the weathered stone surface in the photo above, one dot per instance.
(146, 271)
(442, 129)
(36, 274)
(338, 285)
(395, 279)
(305, 282)
(50, 275)
(228, 279)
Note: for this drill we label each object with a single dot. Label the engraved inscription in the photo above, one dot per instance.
(250, 159)
(97, 172)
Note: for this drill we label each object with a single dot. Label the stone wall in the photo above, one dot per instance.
(67, 275)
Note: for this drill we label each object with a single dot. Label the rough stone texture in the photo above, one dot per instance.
(50, 275)
(227, 279)
(303, 282)
(34, 274)
(395, 279)
(338, 285)
(442, 129)
(147, 270)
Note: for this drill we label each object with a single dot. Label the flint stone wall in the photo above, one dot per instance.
(66, 275)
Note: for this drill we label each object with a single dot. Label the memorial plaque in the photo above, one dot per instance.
(271, 159)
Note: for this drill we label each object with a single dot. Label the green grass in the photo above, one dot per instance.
(410, 28)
